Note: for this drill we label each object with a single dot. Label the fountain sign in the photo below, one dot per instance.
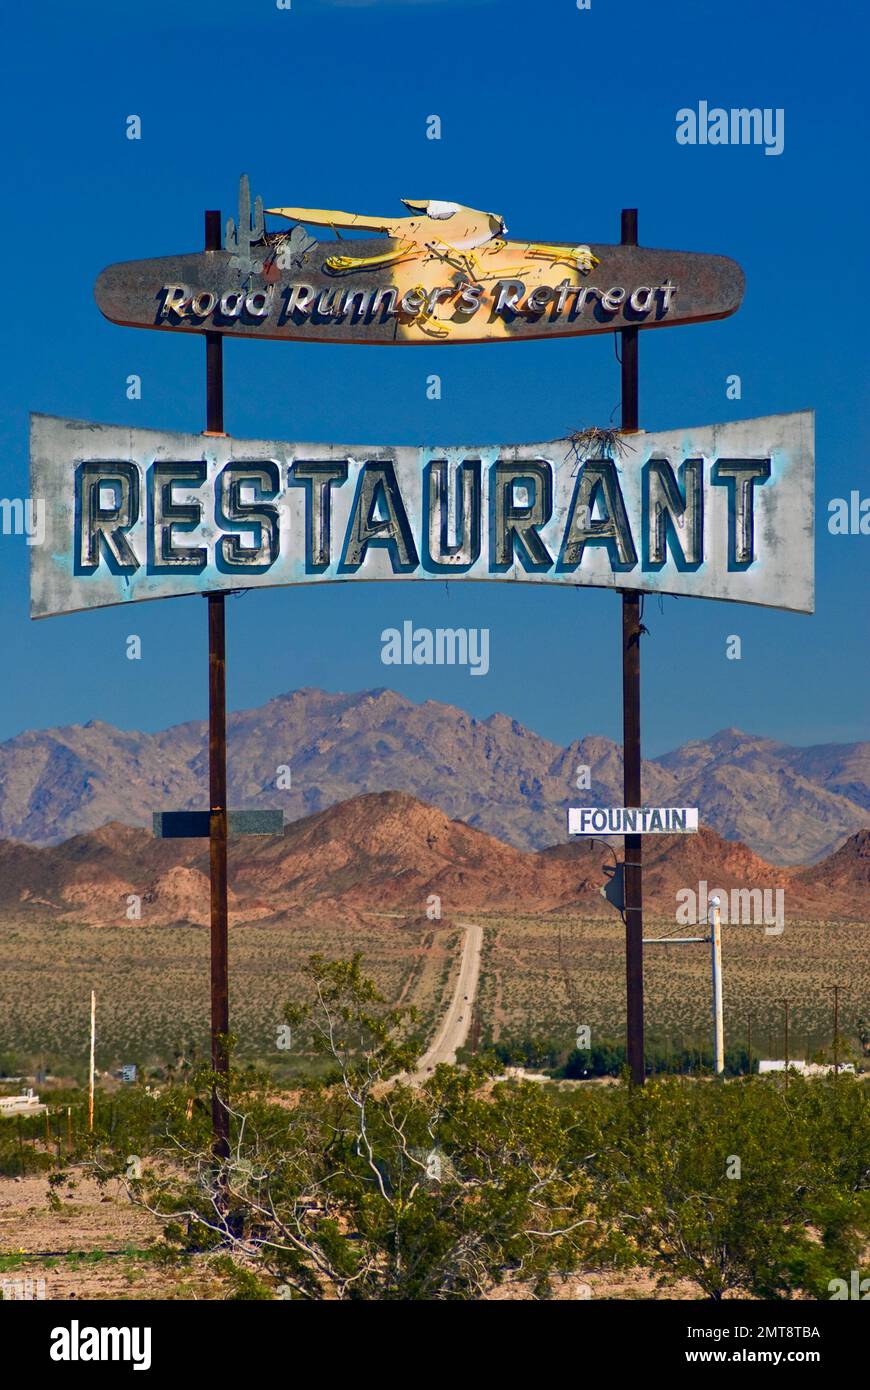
(632, 820)
(720, 511)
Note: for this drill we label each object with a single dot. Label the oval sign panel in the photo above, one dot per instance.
(440, 273)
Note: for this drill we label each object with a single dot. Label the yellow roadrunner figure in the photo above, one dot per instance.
(435, 327)
(435, 229)
(438, 272)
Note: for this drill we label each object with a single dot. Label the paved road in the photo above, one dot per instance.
(455, 1025)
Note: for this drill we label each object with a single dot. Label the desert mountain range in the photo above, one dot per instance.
(386, 853)
(790, 805)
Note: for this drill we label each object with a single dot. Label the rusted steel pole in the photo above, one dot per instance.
(214, 345)
(628, 336)
(631, 728)
(217, 760)
(217, 783)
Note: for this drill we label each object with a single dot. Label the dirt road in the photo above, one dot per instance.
(455, 1025)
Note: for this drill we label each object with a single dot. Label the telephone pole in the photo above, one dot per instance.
(836, 1030)
(91, 1061)
(715, 917)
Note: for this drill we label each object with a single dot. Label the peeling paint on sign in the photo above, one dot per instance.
(718, 511)
(443, 274)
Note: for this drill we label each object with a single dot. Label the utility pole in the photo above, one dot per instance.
(785, 1003)
(91, 1065)
(836, 1030)
(715, 940)
(715, 918)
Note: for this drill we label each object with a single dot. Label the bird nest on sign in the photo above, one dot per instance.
(592, 442)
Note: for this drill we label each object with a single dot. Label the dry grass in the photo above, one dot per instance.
(543, 976)
(153, 983)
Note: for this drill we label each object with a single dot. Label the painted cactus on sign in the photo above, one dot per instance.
(443, 273)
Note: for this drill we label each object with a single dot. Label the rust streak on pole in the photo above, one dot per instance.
(217, 781)
(214, 344)
(628, 336)
(217, 761)
(631, 728)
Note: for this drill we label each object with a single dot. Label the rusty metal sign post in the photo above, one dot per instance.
(632, 628)
(719, 512)
(270, 822)
(217, 762)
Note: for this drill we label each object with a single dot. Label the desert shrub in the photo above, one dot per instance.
(753, 1186)
(364, 1186)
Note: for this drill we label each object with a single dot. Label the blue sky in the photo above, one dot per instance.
(556, 118)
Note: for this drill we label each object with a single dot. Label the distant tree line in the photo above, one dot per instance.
(610, 1059)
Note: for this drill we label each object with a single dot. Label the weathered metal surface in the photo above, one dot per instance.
(256, 822)
(631, 632)
(436, 278)
(614, 886)
(194, 825)
(214, 345)
(180, 825)
(719, 511)
(218, 828)
(219, 902)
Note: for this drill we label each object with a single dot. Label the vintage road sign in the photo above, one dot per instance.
(445, 274)
(193, 825)
(632, 820)
(720, 511)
